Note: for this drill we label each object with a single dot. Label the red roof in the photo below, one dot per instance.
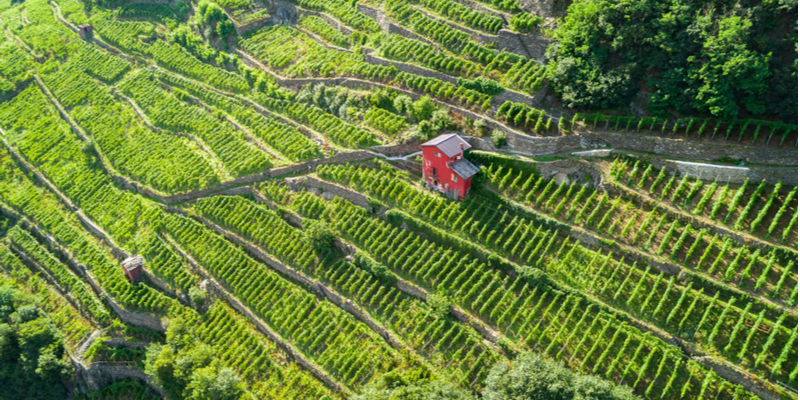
(450, 145)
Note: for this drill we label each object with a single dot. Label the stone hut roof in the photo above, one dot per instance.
(133, 262)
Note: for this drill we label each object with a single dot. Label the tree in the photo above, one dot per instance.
(498, 138)
(197, 296)
(318, 234)
(531, 377)
(33, 362)
(716, 57)
(412, 385)
(439, 304)
(423, 108)
(211, 383)
(184, 368)
(534, 377)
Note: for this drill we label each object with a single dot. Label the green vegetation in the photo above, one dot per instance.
(268, 154)
(713, 58)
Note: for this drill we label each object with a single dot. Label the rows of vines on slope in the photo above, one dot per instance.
(655, 232)
(613, 281)
(164, 162)
(763, 210)
(525, 312)
(166, 110)
(460, 352)
(328, 335)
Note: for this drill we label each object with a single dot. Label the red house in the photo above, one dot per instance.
(444, 167)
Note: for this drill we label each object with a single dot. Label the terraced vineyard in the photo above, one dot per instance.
(245, 199)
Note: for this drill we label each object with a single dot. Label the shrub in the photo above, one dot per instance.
(318, 234)
(197, 296)
(378, 270)
(498, 138)
(481, 84)
(439, 304)
(423, 108)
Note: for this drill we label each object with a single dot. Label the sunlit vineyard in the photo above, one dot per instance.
(254, 199)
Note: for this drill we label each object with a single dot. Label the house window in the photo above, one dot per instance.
(433, 171)
(455, 178)
(436, 153)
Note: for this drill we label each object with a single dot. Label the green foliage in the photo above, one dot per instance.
(33, 363)
(481, 84)
(423, 108)
(197, 296)
(716, 58)
(525, 22)
(498, 138)
(439, 304)
(535, 377)
(318, 234)
(378, 270)
(184, 368)
(412, 385)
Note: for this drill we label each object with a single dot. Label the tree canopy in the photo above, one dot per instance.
(533, 377)
(722, 58)
(33, 362)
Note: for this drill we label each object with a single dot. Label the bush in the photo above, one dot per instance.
(483, 85)
(318, 234)
(423, 108)
(534, 276)
(498, 138)
(440, 120)
(364, 261)
(480, 126)
(439, 304)
(403, 104)
(534, 377)
(197, 296)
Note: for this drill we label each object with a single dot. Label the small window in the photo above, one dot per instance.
(436, 153)
(433, 171)
(455, 178)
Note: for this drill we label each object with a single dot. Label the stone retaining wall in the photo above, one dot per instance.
(410, 68)
(692, 149)
(104, 373)
(724, 173)
(333, 21)
(304, 167)
(398, 149)
(331, 189)
(532, 145)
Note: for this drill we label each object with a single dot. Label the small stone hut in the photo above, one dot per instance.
(85, 30)
(133, 267)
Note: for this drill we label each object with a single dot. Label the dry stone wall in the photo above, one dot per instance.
(398, 149)
(691, 149)
(331, 20)
(410, 68)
